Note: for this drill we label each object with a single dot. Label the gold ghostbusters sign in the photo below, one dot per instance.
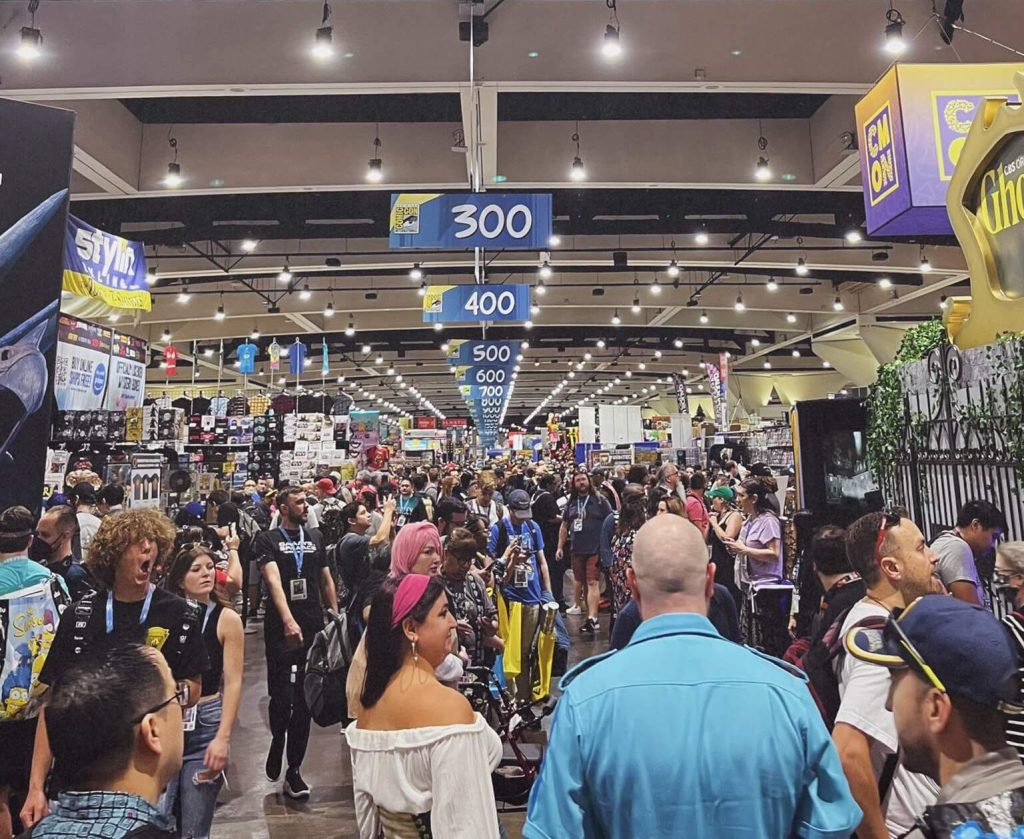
(986, 208)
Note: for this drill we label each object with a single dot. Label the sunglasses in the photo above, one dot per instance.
(889, 519)
(893, 628)
(180, 696)
(188, 546)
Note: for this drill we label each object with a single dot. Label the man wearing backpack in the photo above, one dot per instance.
(892, 557)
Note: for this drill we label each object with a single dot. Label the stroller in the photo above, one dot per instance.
(520, 761)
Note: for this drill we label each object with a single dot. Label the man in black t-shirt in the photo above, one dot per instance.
(581, 529)
(549, 518)
(127, 548)
(294, 566)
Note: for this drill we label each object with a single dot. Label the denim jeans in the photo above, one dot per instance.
(197, 798)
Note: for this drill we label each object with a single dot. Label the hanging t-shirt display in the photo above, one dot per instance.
(247, 358)
(325, 358)
(297, 358)
(274, 354)
(170, 359)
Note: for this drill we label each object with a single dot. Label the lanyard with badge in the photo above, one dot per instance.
(297, 587)
(190, 714)
(581, 511)
(142, 615)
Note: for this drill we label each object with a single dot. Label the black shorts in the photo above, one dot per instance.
(18, 738)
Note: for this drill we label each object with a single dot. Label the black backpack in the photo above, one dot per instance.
(327, 664)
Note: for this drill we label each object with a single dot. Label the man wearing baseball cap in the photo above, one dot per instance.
(954, 679)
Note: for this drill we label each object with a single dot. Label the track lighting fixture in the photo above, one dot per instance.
(772, 285)
(350, 330)
(219, 314)
(924, 266)
(30, 47)
(894, 43)
(422, 290)
(285, 274)
(166, 336)
(577, 171)
(600, 343)
(678, 343)
(380, 359)
(884, 283)
(545, 270)
(673, 269)
(943, 302)
(767, 365)
(790, 317)
(323, 46)
(611, 46)
(655, 286)
(755, 342)
(801, 267)
(438, 326)
(375, 166)
(184, 295)
(554, 240)
(837, 304)
(305, 294)
(704, 317)
(853, 236)
(329, 309)
(248, 244)
(534, 308)
(255, 334)
(616, 320)
(635, 308)
(366, 349)
(739, 305)
(416, 272)
(796, 353)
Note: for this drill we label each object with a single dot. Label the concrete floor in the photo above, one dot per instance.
(254, 808)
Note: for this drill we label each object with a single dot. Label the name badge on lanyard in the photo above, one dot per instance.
(297, 587)
(581, 511)
(188, 718)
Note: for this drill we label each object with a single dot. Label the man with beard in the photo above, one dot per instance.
(294, 566)
(954, 673)
(122, 557)
(896, 565)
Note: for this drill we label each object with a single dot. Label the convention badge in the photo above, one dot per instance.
(189, 718)
(521, 577)
(577, 525)
(298, 589)
(400, 522)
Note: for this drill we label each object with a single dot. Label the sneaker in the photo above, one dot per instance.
(295, 787)
(588, 626)
(593, 624)
(274, 757)
(574, 610)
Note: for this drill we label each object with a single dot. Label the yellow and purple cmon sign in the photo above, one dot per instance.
(912, 127)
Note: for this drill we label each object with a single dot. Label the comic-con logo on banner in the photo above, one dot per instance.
(470, 220)
(105, 267)
(883, 173)
(953, 114)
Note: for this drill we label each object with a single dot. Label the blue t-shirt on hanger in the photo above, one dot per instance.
(297, 358)
(247, 358)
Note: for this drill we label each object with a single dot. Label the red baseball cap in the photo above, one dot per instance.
(326, 485)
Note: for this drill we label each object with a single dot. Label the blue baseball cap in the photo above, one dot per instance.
(195, 508)
(967, 649)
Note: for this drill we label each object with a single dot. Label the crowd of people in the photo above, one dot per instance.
(754, 684)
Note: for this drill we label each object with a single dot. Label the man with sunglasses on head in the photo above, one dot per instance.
(894, 561)
(116, 734)
(954, 676)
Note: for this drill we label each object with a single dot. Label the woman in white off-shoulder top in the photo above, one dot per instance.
(421, 758)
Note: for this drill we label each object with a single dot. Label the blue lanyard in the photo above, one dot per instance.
(206, 617)
(298, 552)
(581, 509)
(404, 508)
(142, 615)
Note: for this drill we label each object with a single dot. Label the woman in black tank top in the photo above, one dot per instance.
(208, 725)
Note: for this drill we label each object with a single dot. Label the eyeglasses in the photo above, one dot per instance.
(892, 626)
(180, 696)
(889, 519)
(1002, 578)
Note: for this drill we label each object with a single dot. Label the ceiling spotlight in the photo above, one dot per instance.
(219, 314)
(755, 342)
(554, 240)
(422, 290)
(31, 44)
(416, 272)
(365, 349)
(305, 294)
(444, 347)
(541, 288)
(184, 295)
(525, 345)
(801, 267)
(796, 353)
(173, 178)
(545, 270)
(255, 334)
(438, 326)
(894, 43)
(837, 304)
(739, 305)
(616, 320)
(248, 245)
(767, 365)
(374, 170)
(884, 283)
(350, 330)
(790, 317)
(329, 310)
(577, 171)
(166, 336)
(925, 266)
(534, 308)
(826, 363)
(703, 317)
(380, 359)
(673, 269)
(943, 302)
(701, 237)
(323, 46)
(762, 171)
(600, 343)
(678, 343)
(655, 286)
(587, 356)
(285, 274)
(635, 308)
(208, 352)
(772, 285)
(853, 236)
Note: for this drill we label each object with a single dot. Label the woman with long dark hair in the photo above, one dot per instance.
(631, 518)
(191, 574)
(421, 758)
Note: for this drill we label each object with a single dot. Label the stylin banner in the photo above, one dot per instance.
(35, 172)
(473, 220)
(912, 126)
(105, 267)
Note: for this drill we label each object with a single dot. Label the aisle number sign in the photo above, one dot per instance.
(470, 220)
(476, 303)
(483, 375)
(483, 353)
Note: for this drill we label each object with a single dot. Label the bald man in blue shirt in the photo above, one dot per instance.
(683, 733)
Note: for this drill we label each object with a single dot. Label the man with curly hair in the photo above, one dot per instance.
(124, 552)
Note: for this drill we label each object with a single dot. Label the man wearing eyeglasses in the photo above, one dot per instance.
(116, 733)
(894, 561)
(954, 674)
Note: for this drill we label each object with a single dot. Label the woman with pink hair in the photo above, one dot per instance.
(416, 550)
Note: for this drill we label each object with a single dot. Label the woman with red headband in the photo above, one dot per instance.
(421, 758)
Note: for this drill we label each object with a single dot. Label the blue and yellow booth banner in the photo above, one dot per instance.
(476, 303)
(508, 221)
(105, 267)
